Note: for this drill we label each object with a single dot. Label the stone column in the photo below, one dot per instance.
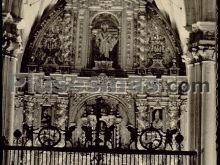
(142, 115)
(200, 59)
(11, 49)
(208, 126)
(197, 107)
(9, 70)
(190, 134)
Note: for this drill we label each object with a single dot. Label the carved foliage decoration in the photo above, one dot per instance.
(53, 46)
(156, 48)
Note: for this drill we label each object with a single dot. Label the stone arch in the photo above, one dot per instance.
(126, 111)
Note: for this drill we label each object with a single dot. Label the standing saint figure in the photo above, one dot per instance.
(105, 41)
(157, 123)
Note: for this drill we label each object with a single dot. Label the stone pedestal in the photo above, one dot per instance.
(103, 65)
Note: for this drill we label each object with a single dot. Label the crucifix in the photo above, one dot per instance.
(98, 107)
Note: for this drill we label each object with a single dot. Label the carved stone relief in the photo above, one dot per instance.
(54, 47)
(126, 105)
(153, 50)
(83, 112)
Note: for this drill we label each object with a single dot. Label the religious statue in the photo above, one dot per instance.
(46, 117)
(104, 43)
(157, 122)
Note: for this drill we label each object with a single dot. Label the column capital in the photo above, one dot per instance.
(201, 44)
(12, 42)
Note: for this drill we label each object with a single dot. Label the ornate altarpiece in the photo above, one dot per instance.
(127, 35)
(136, 39)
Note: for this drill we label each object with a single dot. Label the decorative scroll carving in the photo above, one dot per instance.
(129, 39)
(19, 102)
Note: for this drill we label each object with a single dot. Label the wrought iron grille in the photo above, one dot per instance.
(17, 155)
(25, 151)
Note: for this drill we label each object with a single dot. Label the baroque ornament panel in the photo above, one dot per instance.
(53, 47)
(156, 49)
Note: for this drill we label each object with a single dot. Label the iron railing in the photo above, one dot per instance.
(23, 155)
